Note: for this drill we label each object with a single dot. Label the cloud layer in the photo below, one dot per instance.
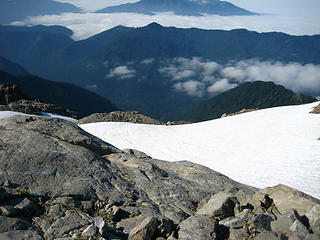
(88, 24)
(198, 77)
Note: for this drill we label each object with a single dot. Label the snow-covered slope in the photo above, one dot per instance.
(261, 148)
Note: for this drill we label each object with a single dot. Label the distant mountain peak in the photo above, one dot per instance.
(154, 25)
(179, 7)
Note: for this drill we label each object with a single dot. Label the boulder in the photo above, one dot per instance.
(201, 227)
(67, 161)
(90, 231)
(219, 205)
(8, 224)
(145, 230)
(239, 220)
(20, 234)
(286, 198)
(267, 235)
(72, 220)
(316, 110)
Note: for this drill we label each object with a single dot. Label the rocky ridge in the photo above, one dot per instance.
(11, 93)
(38, 108)
(239, 112)
(120, 116)
(59, 182)
(13, 99)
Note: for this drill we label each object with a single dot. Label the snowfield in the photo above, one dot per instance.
(261, 148)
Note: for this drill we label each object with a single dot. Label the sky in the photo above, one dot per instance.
(294, 17)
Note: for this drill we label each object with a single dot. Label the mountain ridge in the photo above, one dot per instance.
(180, 7)
(123, 63)
(16, 10)
(249, 95)
(66, 95)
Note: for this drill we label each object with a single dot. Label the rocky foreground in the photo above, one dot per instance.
(59, 182)
(13, 99)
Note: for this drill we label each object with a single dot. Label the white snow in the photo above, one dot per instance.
(261, 148)
(55, 115)
(6, 114)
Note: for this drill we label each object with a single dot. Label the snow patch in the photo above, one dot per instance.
(6, 114)
(261, 148)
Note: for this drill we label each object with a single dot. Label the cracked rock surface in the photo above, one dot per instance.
(59, 182)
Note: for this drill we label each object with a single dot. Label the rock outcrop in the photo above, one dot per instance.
(59, 182)
(120, 116)
(38, 108)
(316, 110)
(239, 112)
(13, 99)
(11, 93)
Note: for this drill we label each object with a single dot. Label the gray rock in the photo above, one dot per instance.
(41, 223)
(56, 211)
(90, 231)
(119, 116)
(200, 227)
(236, 234)
(70, 202)
(10, 93)
(104, 229)
(127, 225)
(9, 210)
(145, 230)
(298, 229)
(313, 215)
(267, 235)
(283, 223)
(63, 164)
(239, 220)
(286, 198)
(18, 206)
(262, 222)
(313, 237)
(219, 205)
(8, 224)
(37, 108)
(118, 213)
(21, 235)
(72, 176)
(72, 220)
(98, 222)
(136, 153)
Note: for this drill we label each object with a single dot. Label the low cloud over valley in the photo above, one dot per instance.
(197, 76)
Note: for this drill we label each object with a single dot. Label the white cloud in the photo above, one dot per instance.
(184, 69)
(295, 76)
(88, 24)
(147, 61)
(233, 73)
(191, 87)
(221, 86)
(219, 78)
(94, 5)
(121, 72)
